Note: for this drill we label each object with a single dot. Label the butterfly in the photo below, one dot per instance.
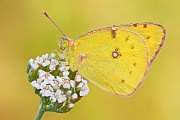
(116, 58)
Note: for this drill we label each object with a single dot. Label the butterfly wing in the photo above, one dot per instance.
(153, 34)
(115, 58)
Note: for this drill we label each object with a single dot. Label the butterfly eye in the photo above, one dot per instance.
(63, 44)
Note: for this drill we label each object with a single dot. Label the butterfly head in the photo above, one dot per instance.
(65, 42)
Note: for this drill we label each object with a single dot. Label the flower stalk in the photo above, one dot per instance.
(40, 112)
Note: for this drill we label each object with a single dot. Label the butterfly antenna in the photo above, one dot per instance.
(45, 14)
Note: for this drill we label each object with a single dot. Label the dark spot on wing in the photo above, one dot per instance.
(115, 53)
(145, 26)
(132, 46)
(120, 54)
(122, 81)
(130, 72)
(160, 45)
(113, 32)
(156, 52)
(135, 25)
(135, 64)
(127, 38)
(148, 37)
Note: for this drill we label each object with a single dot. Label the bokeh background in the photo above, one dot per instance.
(25, 33)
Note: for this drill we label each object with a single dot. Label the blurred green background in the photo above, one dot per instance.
(25, 33)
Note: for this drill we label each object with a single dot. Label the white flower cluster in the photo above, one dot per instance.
(57, 88)
(45, 60)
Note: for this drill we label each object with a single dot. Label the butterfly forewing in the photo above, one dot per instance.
(153, 34)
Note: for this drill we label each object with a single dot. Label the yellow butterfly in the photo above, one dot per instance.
(115, 58)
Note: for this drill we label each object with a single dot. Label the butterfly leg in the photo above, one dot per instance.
(58, 53)
(61, 56)
(75, 81)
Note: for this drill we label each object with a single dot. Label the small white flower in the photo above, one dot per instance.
(50, 77)
(80, 85)
(31, 61)
(84, 93)
(56, 83)
(39, 60)
(33, 64)
(47, 90)
(45, 76)
(84, 81)
(72, 83)
(78, 78)
(52, 55)
(84, 87)
(64, 68)
(69, 92)
(67, 68)
(58, 96)
(71, 105)
(53, 64)
(65, 74)
(43, 60)
(74, 96)
(84, 90)
(37, 84)
(41, 73)
(44, 57)
(53, 98)
(66, 85)
(46, 63)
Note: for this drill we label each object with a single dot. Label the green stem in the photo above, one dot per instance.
(40, 112)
